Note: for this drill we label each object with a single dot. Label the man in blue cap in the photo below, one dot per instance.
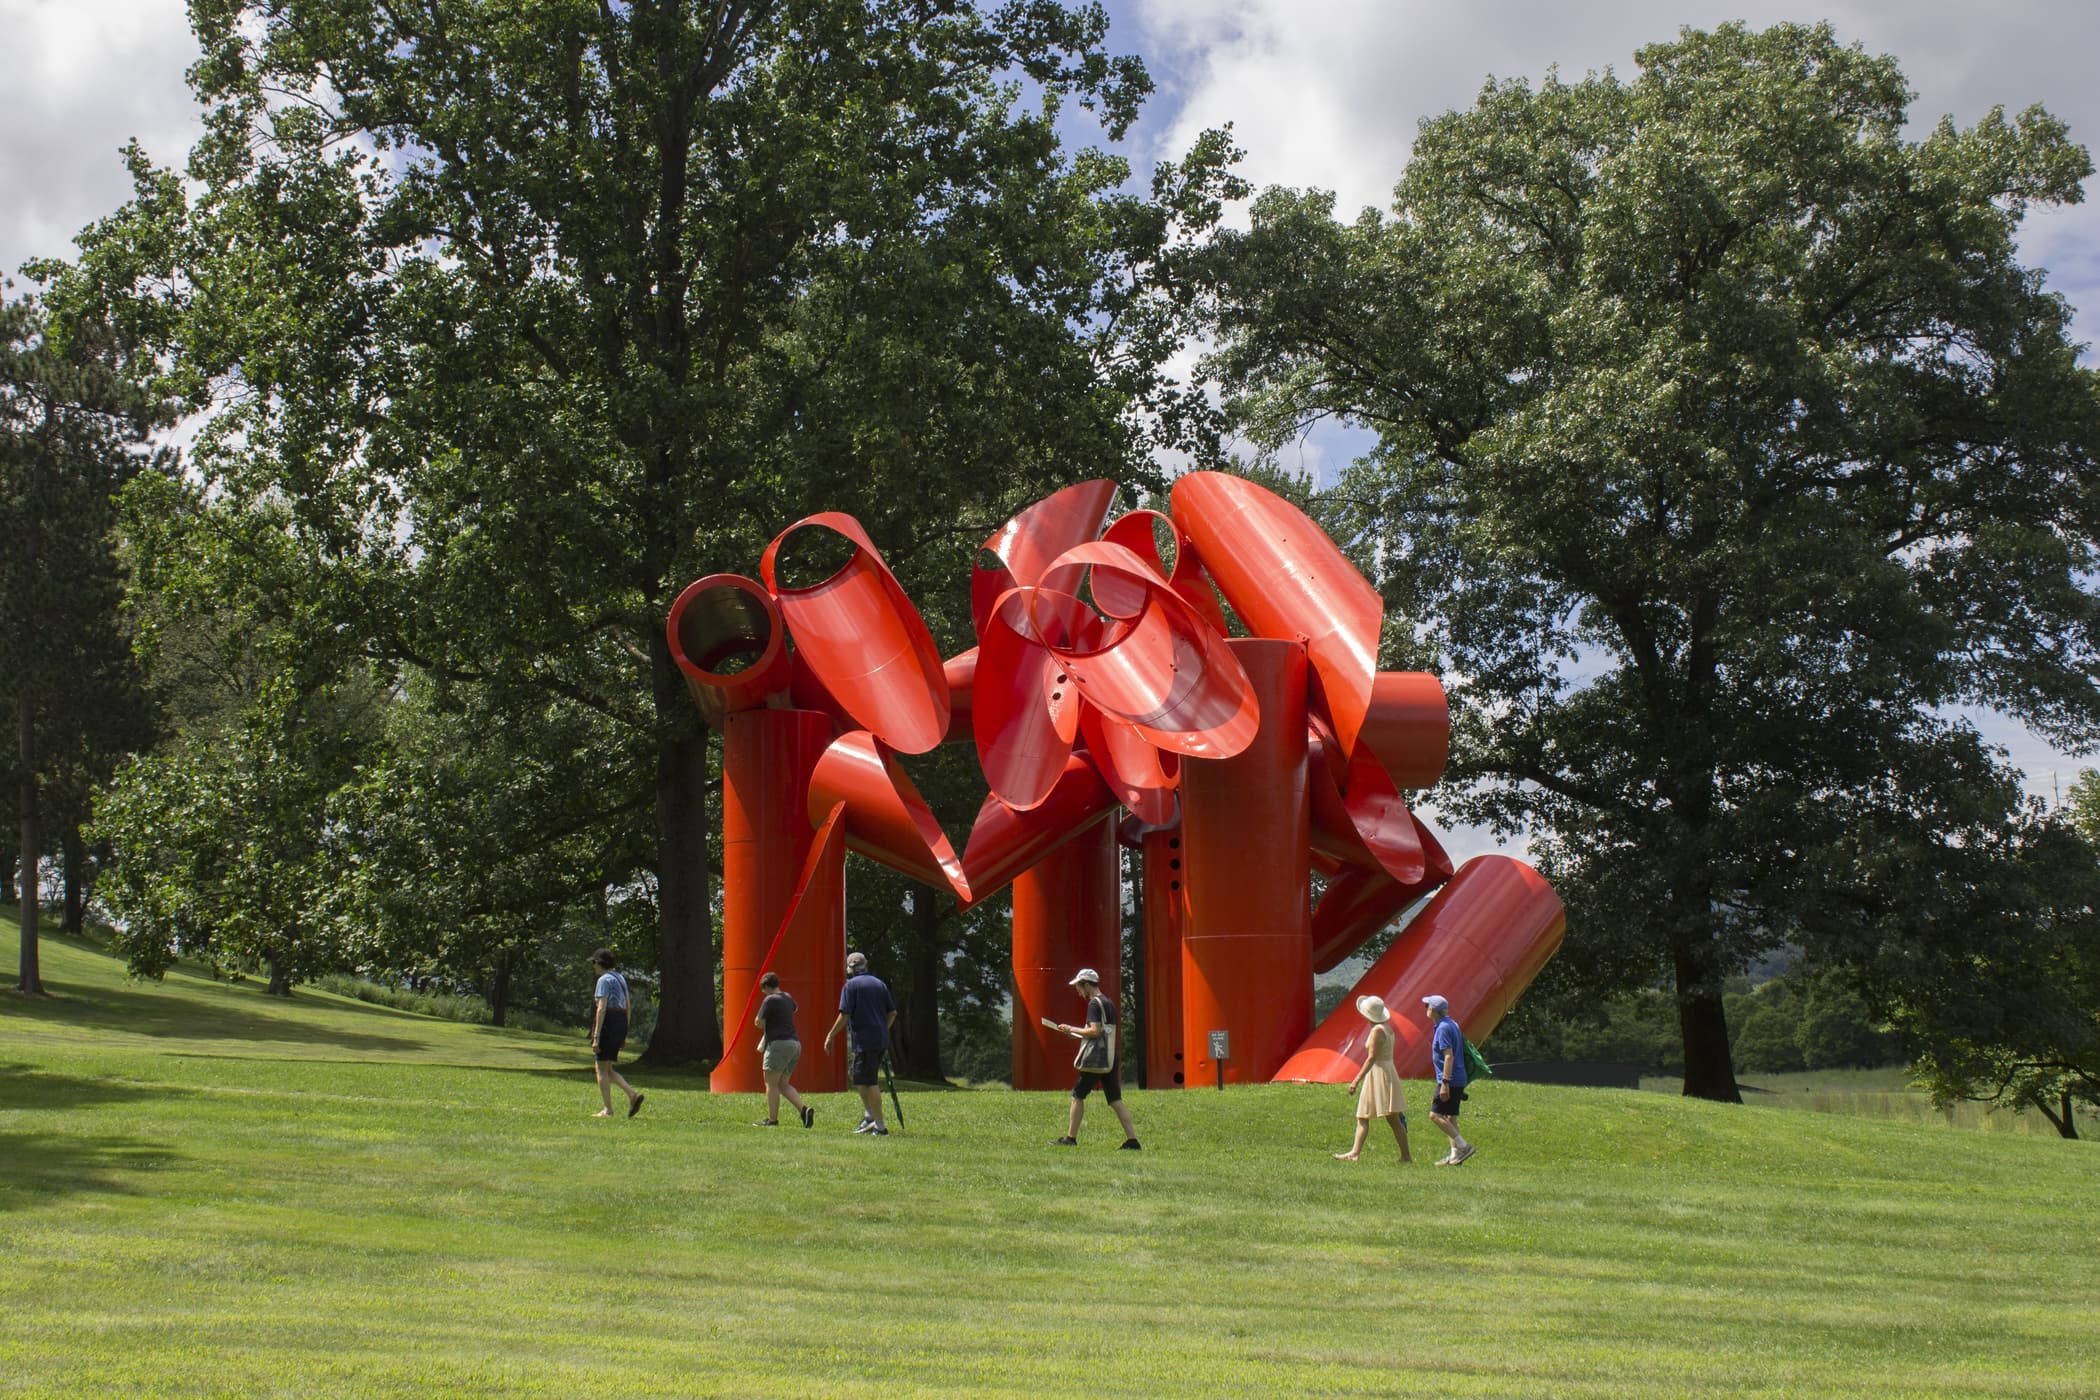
(1447, 1064)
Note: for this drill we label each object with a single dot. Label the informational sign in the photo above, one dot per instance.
(1220, 1046)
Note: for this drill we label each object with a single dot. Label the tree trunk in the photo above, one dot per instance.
(919, 1041)
(499, 989)
(686, 1028)
(280, 978)
(1702, 1019)
(31, 979)
(73, 852)
(2065, 1123)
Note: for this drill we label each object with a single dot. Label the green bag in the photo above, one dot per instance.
(1476, 1067)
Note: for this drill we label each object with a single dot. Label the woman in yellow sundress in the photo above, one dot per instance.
(1377, 1084)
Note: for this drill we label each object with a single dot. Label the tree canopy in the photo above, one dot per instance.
(1724, 445)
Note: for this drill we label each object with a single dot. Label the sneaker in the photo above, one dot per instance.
(1064, 1142)
(1459, 1157)
(767, 1123)
(877, 1130)
(1130, 1145)
(809, 1116)
(1448, 1159)
(867, 1125)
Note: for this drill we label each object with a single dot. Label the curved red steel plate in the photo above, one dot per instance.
(1142, 777)
(1479, 944)
(1135, 532)
(815, 917)
(886, 819)
(961, 673)
(861, 637)
(1027, 545)
(1360, 900)
(1026, 708)
(1363, 821)
(1287, 580)
(1161, 668)
(1408, 725)
(718, 622)
(1004, 842)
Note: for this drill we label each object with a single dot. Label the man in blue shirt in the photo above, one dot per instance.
(1447, 1064)
(865, 1014)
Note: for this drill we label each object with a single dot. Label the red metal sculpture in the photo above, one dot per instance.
(1104, 682)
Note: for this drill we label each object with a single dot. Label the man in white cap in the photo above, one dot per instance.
(1447, 1062)
(865, 1014)
(1100, 1023)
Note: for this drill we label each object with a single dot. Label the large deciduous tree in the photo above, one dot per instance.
(72, 432)
(531, 314)
(1724, 445)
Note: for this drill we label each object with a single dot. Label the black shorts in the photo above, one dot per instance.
(866, 1067)
(1110, 1084)
(1447, 1102)
(612, 1034)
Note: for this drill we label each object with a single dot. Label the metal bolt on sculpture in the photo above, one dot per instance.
(1105, 681)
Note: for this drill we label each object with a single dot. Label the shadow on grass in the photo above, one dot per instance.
(25, 1086)
(144, 1010)
(41, 1167)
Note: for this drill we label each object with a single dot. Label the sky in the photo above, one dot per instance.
(1324, 93)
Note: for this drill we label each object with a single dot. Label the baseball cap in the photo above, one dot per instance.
(1436, 1001)
(856, 959)
(1086, 974)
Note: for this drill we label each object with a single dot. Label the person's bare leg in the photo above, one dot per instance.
(788, 1090)
(773, 1078)
(1449, 1130)
(871, 1100)
(1078, 1113)
(1123, 1117)
(1399, 1134)
(1356, 1149)
(604, 1088)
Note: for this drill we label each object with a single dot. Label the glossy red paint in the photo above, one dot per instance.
(1246, 835)
(1287, 580)
(1360, 900)
(729, 642)
(1408, 727)
(1005, 841)
(1478, 944)
(862, 638)
(886, 819)
(1067, 915)
(1020, 552)
(1166, 914)
(768, 759)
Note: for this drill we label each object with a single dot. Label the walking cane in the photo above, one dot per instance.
(891, 1075)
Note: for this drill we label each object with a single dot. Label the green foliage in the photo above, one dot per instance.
(528, 316)
(1724, 443)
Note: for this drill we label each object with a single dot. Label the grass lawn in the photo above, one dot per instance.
(204, 1192)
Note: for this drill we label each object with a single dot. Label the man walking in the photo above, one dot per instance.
(1447, 1064)
(865, 1014)
(1100, 1025)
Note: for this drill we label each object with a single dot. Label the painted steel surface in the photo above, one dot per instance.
(1478, 944)
(1246, 965)
(719, 621)
(1287, 580)
(768, 759)
(1103, 682)
(1165, 915)
(1067, 915)
(864, 641)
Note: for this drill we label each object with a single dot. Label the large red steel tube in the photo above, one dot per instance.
(1478, 944)
(886, 818)
(1408, 726)
(1165, 913)
(1246, 831)
(728, 641)
(1004, 842)
(768, 757)
(1067, 915)
(1360, 902)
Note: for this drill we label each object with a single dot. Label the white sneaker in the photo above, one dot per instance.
(1459, 1157)
(1449, 1159)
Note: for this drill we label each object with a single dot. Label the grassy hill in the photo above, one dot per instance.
(205, 1192)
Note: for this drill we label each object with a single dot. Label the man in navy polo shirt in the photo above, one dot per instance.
(865, 1014)
(1447, 1063)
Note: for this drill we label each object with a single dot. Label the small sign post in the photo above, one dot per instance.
(1220, 1048)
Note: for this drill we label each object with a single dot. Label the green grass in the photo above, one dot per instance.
(203, 1192)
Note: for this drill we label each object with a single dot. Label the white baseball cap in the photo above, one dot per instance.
(1086, 974)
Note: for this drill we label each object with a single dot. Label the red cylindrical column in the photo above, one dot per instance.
(1067, 915)
(767, 759)
(1164, 917)
(1246, 825)
(1478, 944)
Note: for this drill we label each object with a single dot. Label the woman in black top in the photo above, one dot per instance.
(781, 1051)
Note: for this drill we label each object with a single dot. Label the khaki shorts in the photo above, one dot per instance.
(782, 1056)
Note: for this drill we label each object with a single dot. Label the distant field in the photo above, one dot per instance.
(1881, 1093)
(204, 1192)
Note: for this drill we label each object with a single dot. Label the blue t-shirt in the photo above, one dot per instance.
(866, 1002)
(613, 987)
(1448, 1037)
